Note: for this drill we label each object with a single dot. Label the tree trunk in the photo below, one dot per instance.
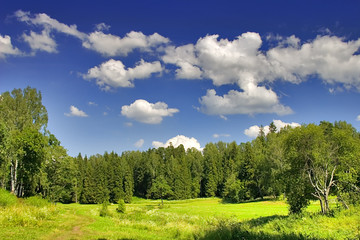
(322, 205)
(326, 203)
(13, 182)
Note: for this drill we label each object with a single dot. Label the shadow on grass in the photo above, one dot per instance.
(232, 231)
(265, 199)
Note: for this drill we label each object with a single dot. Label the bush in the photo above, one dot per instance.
(37, 201)
(121, 206)
(6, 198)
(104, 211)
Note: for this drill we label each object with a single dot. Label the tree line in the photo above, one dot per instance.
(303, 163)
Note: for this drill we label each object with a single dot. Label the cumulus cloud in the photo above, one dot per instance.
(114, 74)
(254, 130)
(139, 143)
(40, 42)
(177, 141)
(75, 112)
(105, 44)
(112, 45)
(329, 57)
(251, 101)
(184, 57)
(358, 118)
(240, 61)
(145, 112)
(6, 48)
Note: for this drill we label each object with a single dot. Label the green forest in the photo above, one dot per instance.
(311, 162)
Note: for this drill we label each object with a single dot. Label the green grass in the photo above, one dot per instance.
(186, 219)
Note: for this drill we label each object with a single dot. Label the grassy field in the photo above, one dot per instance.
(188, 219)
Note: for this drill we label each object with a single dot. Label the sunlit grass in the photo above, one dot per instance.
(207, 218)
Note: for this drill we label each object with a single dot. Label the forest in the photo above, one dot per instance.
(310, 162)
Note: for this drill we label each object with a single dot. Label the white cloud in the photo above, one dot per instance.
(111, 45)
(145, 112)
(40, 42)
(254, 130)
(184, 57)
(139, 143)
(92, 104)
(6, 48)
(241, 62)
(75, 112)
(358, 118)
(106, 44)
(114, 74)
(329, 57)
(220, 135)
(251, 101)
(102, 27)
(42, 19)
(177, 141)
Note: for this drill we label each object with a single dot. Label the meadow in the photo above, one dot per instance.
(206, 218)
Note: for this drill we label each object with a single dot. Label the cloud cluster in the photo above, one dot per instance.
(114, 74)
(254, 130)
(241, 62)
(145, 112)
(75, 112)
(6, 48)
(105, 44)
(177, 141)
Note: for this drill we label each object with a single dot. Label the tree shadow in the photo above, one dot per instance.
(234, 231)
(267, 199)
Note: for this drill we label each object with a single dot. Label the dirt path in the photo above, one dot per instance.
(72, 227)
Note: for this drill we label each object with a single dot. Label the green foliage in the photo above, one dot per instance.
(37, 201)
(121, 206)
(235, 190)
(6, 198)
(160, 189)
(293, 162)
(104, 211)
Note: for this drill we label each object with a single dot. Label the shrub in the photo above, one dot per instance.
(37, 201)
(6, 198)
(121, 206)
(104, 211)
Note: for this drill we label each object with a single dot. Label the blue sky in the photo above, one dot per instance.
(134, 75)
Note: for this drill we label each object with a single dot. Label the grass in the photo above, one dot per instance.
(186, 219)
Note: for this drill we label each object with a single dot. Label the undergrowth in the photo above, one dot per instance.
(33, 211)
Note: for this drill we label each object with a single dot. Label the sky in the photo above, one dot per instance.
(133, 75)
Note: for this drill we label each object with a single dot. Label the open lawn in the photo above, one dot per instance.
(207, 218)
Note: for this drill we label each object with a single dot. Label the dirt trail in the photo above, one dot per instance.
(73, 227)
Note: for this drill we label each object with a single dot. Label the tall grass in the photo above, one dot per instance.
(345, 224)
(7, 199)
(32, 211)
